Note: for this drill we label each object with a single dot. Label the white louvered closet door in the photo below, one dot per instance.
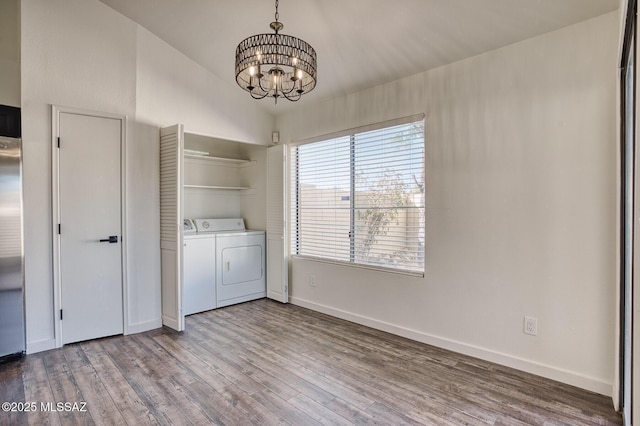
(171, 180)
(277, 263)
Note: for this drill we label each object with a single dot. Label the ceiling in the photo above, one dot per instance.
(359, 43)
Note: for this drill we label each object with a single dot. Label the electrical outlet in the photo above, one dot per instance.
(531, 326)
(312, 280)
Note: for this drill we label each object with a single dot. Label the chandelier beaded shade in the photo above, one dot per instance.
(291, 61)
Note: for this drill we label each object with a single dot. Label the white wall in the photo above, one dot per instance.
(10, 52)
(520, 196)
(81, 53)
(173, 89)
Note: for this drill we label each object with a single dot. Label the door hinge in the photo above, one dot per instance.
(58, 141)
(60, 314)
(59, 229)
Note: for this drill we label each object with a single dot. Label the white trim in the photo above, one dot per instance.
(617, 370)
(172, 322)
(123, 224)
(224, 162)
(41, 346)
(366, 128)
(141, 327)
(565, 376)
(385, 269)
(56, 110)
(224, 188)
(55, 216)
(277, 297)
(222, 138)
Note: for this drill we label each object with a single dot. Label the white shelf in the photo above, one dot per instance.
(229, 161)
(232, 188)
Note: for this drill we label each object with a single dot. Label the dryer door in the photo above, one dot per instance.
(241, 264)
(240, 269)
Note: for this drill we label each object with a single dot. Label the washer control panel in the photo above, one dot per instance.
(219, 225)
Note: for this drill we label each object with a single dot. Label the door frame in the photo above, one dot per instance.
(56, 110)
(625, 392)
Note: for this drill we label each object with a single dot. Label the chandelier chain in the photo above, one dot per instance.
(277, 16)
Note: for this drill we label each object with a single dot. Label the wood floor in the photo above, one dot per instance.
(266, 363)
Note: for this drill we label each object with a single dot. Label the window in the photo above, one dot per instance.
(359, 197)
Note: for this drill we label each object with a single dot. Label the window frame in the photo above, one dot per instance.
(293, 204)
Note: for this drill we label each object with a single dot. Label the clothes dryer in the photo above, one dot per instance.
(239, 260)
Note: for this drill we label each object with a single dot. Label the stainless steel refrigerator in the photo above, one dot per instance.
(12, 318)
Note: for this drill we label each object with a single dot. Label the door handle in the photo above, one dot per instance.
(111, 240)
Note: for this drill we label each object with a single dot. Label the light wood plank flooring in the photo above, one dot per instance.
(265, 363)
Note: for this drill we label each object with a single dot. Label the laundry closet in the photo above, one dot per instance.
(213, 218)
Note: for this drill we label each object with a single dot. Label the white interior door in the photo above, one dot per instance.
(90, 240)
(277, 262)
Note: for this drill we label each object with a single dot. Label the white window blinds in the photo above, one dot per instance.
(359, 198)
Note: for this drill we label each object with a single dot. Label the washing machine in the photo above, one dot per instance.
(239, 260)
(199, 270)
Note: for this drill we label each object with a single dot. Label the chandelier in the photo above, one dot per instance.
(291, 62)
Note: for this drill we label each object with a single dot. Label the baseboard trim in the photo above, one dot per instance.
(539, 369)
(48, 344)
(169, 322)
(143, 326)
(41, 346)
